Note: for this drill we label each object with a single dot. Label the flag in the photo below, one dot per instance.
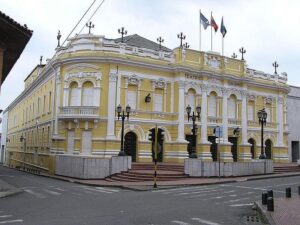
(213, 24)
(204, 21)
(223, 28)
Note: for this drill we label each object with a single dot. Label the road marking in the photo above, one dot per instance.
(59, 189)
(38, 195)
(11, 221)
(278, 185)
(176, 189)
(107, 189)
(73, 193)
(52, 192)
(194, 192)
(5, 216)
(179, 222)
(253, 188)
(103, 191)
(205, 194)
(205, 221)
(226, 192)
(232, 195)
(240, 205)
(236, 200)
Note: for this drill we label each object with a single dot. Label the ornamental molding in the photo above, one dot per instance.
(269, 100)
(113, 77)
(251, 97)
(96, 75)
(160, 83)
(212, 61)
(280, 100)
(133, 79)
(82, 66)
(214, 81)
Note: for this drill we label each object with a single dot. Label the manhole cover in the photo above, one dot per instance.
(251, 220)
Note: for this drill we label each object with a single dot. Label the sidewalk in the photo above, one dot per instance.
(7, 189)
(286, 211)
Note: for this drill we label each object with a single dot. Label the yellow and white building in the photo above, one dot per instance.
(69, 105)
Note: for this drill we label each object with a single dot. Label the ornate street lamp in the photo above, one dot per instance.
(262, 116)
(194, 129)
(123, 116)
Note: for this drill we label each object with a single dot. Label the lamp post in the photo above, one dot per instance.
(262, 116)
(21, 140)
(236, 132)
(194, 129)
(123, 116)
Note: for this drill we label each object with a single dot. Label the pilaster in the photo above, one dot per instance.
(111, 106)
(181, 112)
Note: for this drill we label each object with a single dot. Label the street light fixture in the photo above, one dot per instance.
(194, 129)
(262, 116)
(123, 116)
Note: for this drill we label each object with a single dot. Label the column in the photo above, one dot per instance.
(66, 96)
(181, 111)
(280, 121)
(224, 115)
(204, 116)
(244, 118)
(57, 100)
(111, 107)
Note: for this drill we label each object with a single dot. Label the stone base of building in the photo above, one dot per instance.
(144, 155)
(225, 152)
(244, 153)
(203, 152)
(280, 154)
(175, 152)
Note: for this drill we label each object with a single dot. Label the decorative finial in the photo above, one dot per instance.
(123, 32)
(275, 64)
(160, 40)
(234, 56)
(243, 51)
(90, 25)
(181, 37)
(41, 59)
(186, 45)
(58, 38)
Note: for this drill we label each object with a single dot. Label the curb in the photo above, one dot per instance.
(264, 213)
(10, 193)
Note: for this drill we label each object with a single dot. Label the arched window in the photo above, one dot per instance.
(232, 107)
(212, 104)
(74, 94)
(87, 94)
(191, 99)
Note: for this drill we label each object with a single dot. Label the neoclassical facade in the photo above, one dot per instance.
(69, 105)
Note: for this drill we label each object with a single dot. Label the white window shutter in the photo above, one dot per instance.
(250, 112)
(158, 102)
(231, 109)
(131, 99)
(87, 97)
(212, 109)
(74, 97)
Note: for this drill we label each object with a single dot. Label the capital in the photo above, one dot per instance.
(113, 77)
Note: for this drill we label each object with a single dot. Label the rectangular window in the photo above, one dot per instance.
(158, 102)
(131, 99)
(251, 112)
(87, 97)
(269, 115)
(49, 110)
(44, 104)
(212, 108)
(231, 109)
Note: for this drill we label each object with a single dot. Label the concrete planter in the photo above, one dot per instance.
(198, 168)
(90, 167)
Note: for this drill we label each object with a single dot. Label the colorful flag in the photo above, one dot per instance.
(204, 21)
(213, 24)
(223, 28)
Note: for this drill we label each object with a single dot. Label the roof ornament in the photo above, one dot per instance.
(186, 45)
(122, 31)
(41, 60)
(58, 38)
(160, 40)
(243, 51)
(90, 25)
(181, 37)
(276, 65)
(234, 56)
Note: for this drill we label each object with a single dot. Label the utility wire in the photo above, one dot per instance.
(91, 16)
(79, 21)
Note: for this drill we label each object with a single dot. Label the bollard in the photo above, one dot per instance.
(288, 193)
(270, 204)
(270, 193)
(299, 190)
(264, 198)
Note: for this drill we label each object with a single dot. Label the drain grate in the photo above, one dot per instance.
(251, 220)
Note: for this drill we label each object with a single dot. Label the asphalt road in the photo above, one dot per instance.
(47, 201)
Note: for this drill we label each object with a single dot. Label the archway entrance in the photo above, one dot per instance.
(213, 147)
(252, 150)
(233, 141)
(160, 146)
(268, 149)
(130, 145)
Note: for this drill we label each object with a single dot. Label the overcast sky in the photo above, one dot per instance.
(268, 29)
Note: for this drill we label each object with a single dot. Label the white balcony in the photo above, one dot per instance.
(73, 112)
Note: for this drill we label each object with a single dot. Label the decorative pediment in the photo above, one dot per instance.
(268, 100)
(96, 75)
(214, 81)
(134, 80)
(160, 83)
(212, 61)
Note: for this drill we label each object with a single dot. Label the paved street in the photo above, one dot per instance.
(46, 201)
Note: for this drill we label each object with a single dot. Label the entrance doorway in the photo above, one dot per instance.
(295, 151)
(130, 145)
(252, 150)
(192, 142)
(213, 148)
(268, 149)
(160, 146)
(233, 141)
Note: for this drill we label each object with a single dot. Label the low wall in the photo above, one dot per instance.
(298, 162)
(198, 168)
(90, 167)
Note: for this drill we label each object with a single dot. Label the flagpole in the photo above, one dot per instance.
(222, 45)
(199, 29)
(211, 44)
